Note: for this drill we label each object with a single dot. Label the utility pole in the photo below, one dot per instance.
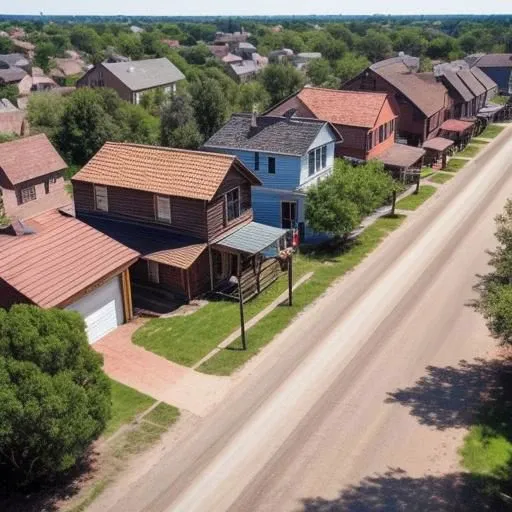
(290, 280)
(241, 302)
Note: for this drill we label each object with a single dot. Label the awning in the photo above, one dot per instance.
(400, 155)
(251, 239)
(439, 144)
(153, 243)
(490, 110)
(456, 125)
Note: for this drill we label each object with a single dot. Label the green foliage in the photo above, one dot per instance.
(44, 112)
(495, 288)
(280, 81)
(210, 105)
(86, 39)
(253, 96)
(318, 71)
(197, 54)
(6, 45)
(9, 92)
(411, 41)
(441, 47)
(129, 45)
(178, 127)
(350, 66)
(44, 52)
(376, 45)
(55, 398)
(138, 125)
(338, 203)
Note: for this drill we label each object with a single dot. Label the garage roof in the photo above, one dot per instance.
(54, 257)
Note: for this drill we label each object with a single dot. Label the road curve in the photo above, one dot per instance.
(315, 415)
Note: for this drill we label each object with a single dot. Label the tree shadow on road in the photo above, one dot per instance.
(395, 491)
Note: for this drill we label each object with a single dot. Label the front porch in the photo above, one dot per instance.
(437, 151)
(403, 162)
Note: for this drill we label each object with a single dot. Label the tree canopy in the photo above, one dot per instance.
(280, 80)
(54, 396)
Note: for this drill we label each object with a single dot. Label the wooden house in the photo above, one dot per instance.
(498, 67)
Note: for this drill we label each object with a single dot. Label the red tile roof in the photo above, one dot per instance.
(168, 171)
(60, 259)
(455, 125)
(351, 108)
(29, 157)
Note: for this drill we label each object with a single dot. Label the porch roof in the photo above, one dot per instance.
(251, 238)
(400, 155)
(456, 125)
(439, 144)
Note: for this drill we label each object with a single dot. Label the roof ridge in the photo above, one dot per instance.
(345, 91)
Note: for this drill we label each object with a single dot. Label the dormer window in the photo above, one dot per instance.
(233, 204)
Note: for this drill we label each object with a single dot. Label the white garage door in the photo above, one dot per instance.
(102, 309)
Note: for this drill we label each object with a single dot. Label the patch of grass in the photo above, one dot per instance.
(455, 164)
(416, 200)
(480, 142)
(500, 99)
(96, 490)
(327, 266)
(426, 172)
(163, 414)
(492, 131)
(441, 178)
(469, 151)
(186, 340)
(127, 403)
(137, 440)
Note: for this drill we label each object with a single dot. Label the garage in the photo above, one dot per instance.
(102, 309)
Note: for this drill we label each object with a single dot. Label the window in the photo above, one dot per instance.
(153, 272)
(233, 204)
(311, 163)
(318, 154)
(53, 179)
(28, 194)
(256, 161)
(288, 214)
(271, 165)
(46, 186)
(317, 160)
(101, 198)
(324, 157)
(381, 133)
(163, 208)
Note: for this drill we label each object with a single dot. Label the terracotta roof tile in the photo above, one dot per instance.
(351, 108)
(62, 257)
(168, 171)
(29, 157)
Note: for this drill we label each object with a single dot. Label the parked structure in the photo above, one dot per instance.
(188, 214)
(134, 78)
(31, 177)
(498, 67)
(423, 102)
(287, 154)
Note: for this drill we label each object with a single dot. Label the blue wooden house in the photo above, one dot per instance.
(497, 66)
(288, 154)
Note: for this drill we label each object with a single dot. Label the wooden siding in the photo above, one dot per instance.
(92, 79)
(10, 296)
(293, 102)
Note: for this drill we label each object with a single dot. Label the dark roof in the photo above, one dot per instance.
(495, 60)
(282, 135)
(29, 157)
(400, 155)
(11, 74)
(471, 82)
(54, 257)
(14, 59)
(456, 125)
(152, 242)
(428, 96)
(458, 85)
(438, 144)
(251, 238)
(484, 78)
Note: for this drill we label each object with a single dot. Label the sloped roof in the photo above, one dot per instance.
(273, 134)
(484, 78)
(429, 97)
(244, 67)
(471, 82)
(351, 108)
(400, 155)
(456, 125)
(60, 258)
(14, 59)
(11, 74)
(167, 171)
(495, 60)
(458, 85)
(438, 144)
(29, 157)
(145, 74)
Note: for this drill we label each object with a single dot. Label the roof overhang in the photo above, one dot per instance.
(401, 156)
(439, 144)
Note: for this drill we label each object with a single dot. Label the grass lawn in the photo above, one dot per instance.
(426, 172)
(127, 403)
(327, 266)
(441, 178)
(455, 164)
(469, 151)
(491, 131)
(500, 99)
(416, 200)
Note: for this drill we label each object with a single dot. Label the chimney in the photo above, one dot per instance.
(290, 113)
(254, 117)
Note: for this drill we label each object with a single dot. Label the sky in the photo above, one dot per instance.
(259, 7)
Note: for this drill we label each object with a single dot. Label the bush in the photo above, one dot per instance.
(54, 396)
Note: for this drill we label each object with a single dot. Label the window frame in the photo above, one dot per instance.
(97, 188)
(256, 161)
(158, 217)
(32, 195)
(273, 166)
(227, 203)
(296, 220)
(153, 272)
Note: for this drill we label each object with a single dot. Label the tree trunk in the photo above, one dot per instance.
(393, 203)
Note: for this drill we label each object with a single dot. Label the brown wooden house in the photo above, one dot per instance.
(181, 210)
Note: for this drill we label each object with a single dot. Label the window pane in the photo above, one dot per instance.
(271, 165)
(318, 156)
(101, 196)
(324, 157)
(256, 161)
(163, 208)
(232, 204)
(311, 163)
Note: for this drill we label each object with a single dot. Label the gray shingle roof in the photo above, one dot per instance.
(14, 59)
(145, 74)
(484, 79)
(495, 60)
(272, 135)
(244, 67)
(471, 82)
(458, 85)
(11, 75)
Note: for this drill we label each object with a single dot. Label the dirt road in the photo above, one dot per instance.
(361, 403)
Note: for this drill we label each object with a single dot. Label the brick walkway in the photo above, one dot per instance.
(156, 376)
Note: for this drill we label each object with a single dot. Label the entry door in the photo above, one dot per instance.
(288, 214)
(153, 272)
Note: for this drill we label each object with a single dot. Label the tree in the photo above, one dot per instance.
(55, 398)
(210, 106)
(137, 125)
(44, 52)
(9, 92)
(86, 39)
(253, 96)
(44, 113)
(318, 71)
(468, 43)
(410, 41)
(495, 288)
(178, 127)
(441, 47)
(86, 125)
(280, 81)
(350, 66)
(376, 45)
(6, 45)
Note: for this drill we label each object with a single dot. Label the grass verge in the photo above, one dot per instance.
(492, 131)
(426, 172)
(416, 200)
(441, 178)
(327, 265)
(470, 151)
(455, 164)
